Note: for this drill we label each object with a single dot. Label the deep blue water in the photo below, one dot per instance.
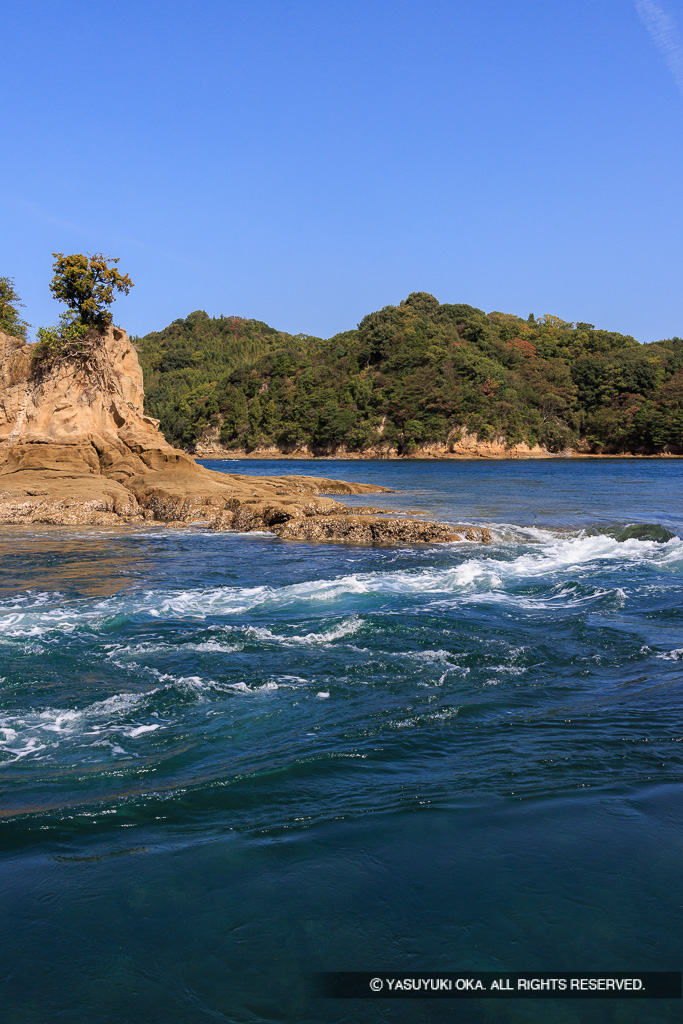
(229, 761)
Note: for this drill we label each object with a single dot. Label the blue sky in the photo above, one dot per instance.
(304, 163)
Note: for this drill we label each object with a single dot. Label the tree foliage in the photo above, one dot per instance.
(414, 374)
(187, 366)
(10, 304)
(87, 283)
(70, 339)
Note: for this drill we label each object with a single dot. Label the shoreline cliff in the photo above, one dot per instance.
(472, 451)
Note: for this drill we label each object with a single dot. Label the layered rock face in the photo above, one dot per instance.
(74, 438)
(76, 448)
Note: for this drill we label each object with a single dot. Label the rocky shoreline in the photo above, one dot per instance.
(476, 450)
(76, 449)
(467, 446)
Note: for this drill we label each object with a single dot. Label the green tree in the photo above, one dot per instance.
(87, 285)
(10, 321)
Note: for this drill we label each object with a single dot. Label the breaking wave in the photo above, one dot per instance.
(493, 576)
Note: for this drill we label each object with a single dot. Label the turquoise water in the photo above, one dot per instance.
(229, 761)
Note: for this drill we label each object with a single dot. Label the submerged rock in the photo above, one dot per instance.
(645, 531)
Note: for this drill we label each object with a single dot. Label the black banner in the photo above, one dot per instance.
(500, 985)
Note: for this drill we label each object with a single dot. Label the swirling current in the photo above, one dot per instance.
(229, 761)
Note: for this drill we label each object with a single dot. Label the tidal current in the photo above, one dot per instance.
(228, 762)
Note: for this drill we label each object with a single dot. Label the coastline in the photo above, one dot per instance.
(461, 445)
(202, 452)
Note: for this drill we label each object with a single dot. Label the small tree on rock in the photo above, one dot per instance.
(87, 285)
(10, 321)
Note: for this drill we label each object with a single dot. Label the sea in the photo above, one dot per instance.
(230, 763)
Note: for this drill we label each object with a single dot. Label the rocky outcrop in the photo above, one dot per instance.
(354, 529)
(76, 448)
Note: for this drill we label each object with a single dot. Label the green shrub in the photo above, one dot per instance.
(10, 321)
(69, 339)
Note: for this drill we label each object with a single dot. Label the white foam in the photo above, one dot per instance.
(242, 687)
(566, 598)
(100, 720)
(118, 704)
(437, 656)
(61, 720)
(140, 729)
(346, 628)
(674, 655)
(251, 533)
(488, 573)
(32, 746)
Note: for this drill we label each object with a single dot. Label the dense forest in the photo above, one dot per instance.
(413, 374)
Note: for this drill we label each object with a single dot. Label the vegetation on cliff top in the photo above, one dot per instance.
(86, 285)
(413, 374)
(10, 304)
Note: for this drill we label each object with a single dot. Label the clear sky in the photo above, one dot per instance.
(305, 162)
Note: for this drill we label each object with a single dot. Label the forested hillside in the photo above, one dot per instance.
(414, 374)
(188, 365)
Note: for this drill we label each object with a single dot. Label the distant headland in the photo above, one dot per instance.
(419, 380)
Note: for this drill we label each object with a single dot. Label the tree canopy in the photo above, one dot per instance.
(87, 283)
